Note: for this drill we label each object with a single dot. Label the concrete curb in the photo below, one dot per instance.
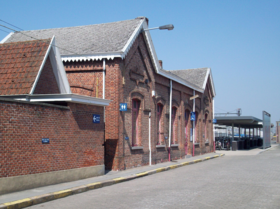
(76, 190)
(268, 149)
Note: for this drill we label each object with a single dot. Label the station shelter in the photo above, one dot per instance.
(249, 132)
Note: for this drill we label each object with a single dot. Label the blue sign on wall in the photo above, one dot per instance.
(192, 116)
(214, 120)
(126, 138)
(123, 106)
(96, 118)
(45, 140)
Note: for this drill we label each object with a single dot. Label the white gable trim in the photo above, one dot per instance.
(89, 57)
(209, 75)
(133, 37)
(212, 84)
(6, 38)
(58, 69)
(206, 78)
(157, 66)
(40, 70)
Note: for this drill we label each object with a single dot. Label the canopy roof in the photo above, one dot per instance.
(242, 121)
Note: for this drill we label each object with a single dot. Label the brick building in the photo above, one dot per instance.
(117, 61)
(47, 134)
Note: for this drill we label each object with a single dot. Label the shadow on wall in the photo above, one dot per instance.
(110, 151)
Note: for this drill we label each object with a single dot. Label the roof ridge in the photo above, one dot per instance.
(191, 69)
(76, 26)
(20, 42)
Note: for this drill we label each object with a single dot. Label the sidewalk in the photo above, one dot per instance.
(245, 152)
(47, 193)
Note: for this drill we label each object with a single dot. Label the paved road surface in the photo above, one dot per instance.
(228, 182)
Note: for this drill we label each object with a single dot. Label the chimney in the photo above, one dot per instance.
(160, 63)
(142, 17)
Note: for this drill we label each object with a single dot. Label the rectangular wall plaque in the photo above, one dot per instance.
(45, 140)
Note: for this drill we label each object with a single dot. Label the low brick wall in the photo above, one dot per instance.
(75, 142)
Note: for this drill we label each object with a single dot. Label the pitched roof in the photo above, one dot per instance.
(89, 39)
(195, 76)
(19, 65)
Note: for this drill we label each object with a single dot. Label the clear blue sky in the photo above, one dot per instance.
(239, 40)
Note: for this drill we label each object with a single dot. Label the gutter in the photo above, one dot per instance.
(74, 98)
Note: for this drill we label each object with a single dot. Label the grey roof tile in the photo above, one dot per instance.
(89, 39)
(194, 76)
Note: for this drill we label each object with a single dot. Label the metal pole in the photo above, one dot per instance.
(194, 122)
(150, 150)
(232, 135)
(214, 145)
(170, 118)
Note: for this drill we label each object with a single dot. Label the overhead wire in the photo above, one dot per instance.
(34, 37)
(4, 31)
(11, 24)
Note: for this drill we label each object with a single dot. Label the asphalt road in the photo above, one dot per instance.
(227, 182)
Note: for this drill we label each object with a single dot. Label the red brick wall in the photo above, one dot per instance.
(47, 83)
(125, 80)
(75, 141)
(85, 78)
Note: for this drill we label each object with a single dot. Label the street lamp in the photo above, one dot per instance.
(164, 27)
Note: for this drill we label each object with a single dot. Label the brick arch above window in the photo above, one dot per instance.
(188, 107)
(136, 95)
(175, 103)
(160, 100)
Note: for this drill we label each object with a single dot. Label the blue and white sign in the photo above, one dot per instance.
(192, 116)
(45, 140)
(214, 120)
(123, 106)
(126, 138)
(96, 118)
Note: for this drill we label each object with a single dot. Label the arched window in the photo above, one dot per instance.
(159, 123)
(196, 128)
(205, 128)
(187, 116)
(135, 122)
(174, 125)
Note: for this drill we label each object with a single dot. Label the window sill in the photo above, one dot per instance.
(137, 148)
(174, 145)
(160, 146)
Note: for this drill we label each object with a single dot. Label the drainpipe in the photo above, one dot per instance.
(214, 143)
(150, 149)
(103, 91)
(104, 69)
(170, 117)
(194, 121)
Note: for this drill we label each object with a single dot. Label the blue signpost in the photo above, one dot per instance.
(214, 120)
(192, 116)
(96, 118)
(123, 106)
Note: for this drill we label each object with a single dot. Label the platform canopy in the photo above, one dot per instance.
(240, 121)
